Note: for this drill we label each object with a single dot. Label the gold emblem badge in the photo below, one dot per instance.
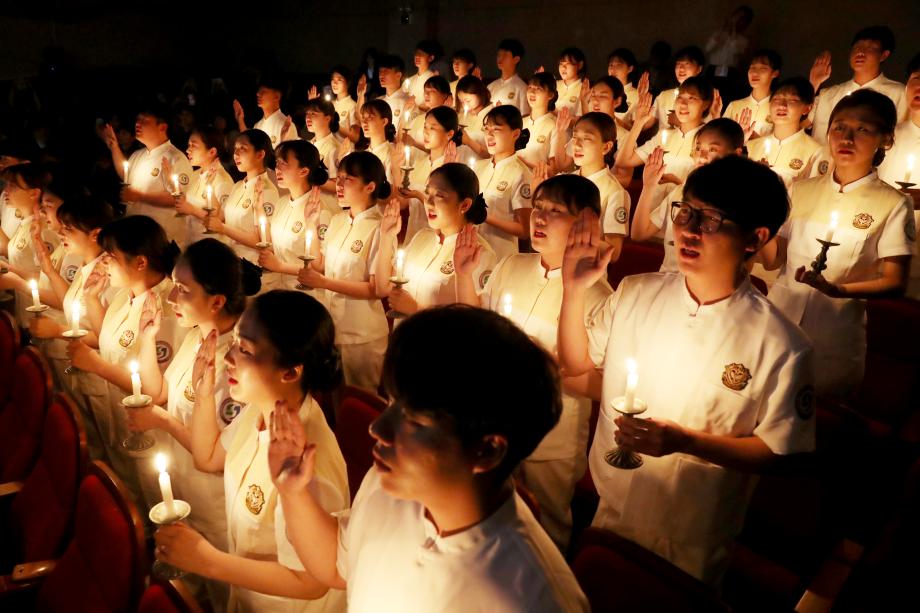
(127, 337)
(155, 172)
(510, 95)
(862, 221)
(621, 215)
(796, 164)
(822, 167)
(298, 226)
(274, 139)
(18, 214)
(447, 267)
(189, 393)
(736, 376)
(21, 243)
(321, 231)
(573, 99)
(255, 499)
(541, 139)
(357, 246)
(246, 203)
(502, 186)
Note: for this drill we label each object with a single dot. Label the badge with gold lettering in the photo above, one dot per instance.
(189, 393)
(447, 267)
(255, 499)
(274, 139)
(805, 402)
(510, 95)
(21, 243)
(573, 99)
(18, 214)
(822, 167)
(246, 203)
(357, 246)
(736, 376)
(298, 226)
(127, 337)
(796, 164)
(502, 186)
(155, 172)
(541, 139)
(862, 221)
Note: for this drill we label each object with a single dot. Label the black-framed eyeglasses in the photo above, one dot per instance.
(709, 220)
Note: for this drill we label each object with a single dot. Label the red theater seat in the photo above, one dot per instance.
(636, 258)
(9, 347)
(356, 410)
(168, 597)
(22, 418)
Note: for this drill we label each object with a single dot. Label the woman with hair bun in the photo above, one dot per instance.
(205, 150)
(379, 133)
(282, 353)
(452, 203)
(344, 267)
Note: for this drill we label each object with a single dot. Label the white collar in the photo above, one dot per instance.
(849, 187)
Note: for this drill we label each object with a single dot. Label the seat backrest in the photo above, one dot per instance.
(22, 418)
(618, 575)
(356, 410)
(635, 258)
(41, 515)
(9, 347)
(104, 566)
(168, 597)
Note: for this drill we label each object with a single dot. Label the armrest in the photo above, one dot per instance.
(30, 571)
(826, 586)
(10, 487)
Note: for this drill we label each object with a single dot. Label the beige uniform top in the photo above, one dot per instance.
(328, 147)
(221, 185)
(829, 97)
(893, 169)
(87, 383)
(255, 520)
(663, 105)
(543, 137)
(66, 263)
(760, 113)
(430, 268)
(790, 158)
(289, 242)
(384, 153)
(418, 181)
(569, 96)
(273, 124)
(615, 202)
(679, 149)
(506, 188)
(632, 96)
(397, 101)
(350, 251)
(511, 91)
(240, 211)
(417, 85)
(472, 126)
(347, 109)
(145, 174)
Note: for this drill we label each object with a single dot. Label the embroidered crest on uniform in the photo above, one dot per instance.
(621, 215)
(274, 139)
(298, 226)
(357, 246)
(189, 393)
(21, 243)
(862, 221)
(223, 199)
(484, 278)
(230, 410)
(269, 208)
(183, 179)
(70, 272)
(447, 267)
(805, 402)
(510, 95)
(164, 352)
(910, 229)
(822, 167)
(18, 214)
(541, 139)
(769, 119)
(127, 337)
(155, 172)
(573, 99)
(796, 164)
(736, 376)
(321, 231)
(246, 203)
(525, 190)
(502, 186)
(255, 499)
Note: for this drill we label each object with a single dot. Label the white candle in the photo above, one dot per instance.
(33, 284)
(910, 168)
(472, 163)
(165, 485)
(406, 119)
(209, 191)
(124, 167)
(408, 153)
(632, 380)
(262, 229)
(175, 180)
(75, 317)
(327, 97)
(829, 237)
(400, 264)
(664, 138)
(309, 240)
(766, 145)
(135, 381)
(466, 110)
(406, 85)
(506, 305)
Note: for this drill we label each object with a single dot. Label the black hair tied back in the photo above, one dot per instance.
(251, 278)
(522, 140)
(478, 211)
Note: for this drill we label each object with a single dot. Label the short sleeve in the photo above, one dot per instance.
(646, 149)
(491, 283)
(786, 423)
(483, 273)
(900, 231)
(521, 197)
(328, 498)
(616, 213)
(228, 433)
(659, 215)
(372, 252)
(598, 328)
(182, 168)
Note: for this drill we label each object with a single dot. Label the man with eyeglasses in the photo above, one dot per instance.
(726, 378)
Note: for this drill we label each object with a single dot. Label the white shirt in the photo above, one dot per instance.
(417, 86)
(790, 158)
(429, 266)
(347, 109)
(506, 188)
(393, 560)
(511, 91)
(221, 185)
(273, 124)
(569, 96)
(397, 101)
(678, 149)
(661, 217)
(894, 169)
(543, 137)
(87, 383)
(734, 368)
(145, 174)
(830, 96)
(384, 153)
(663, 105)
(240, 211)
(289, 242)
(760, 113)
(615, 202)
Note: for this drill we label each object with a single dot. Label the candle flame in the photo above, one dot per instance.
(135, 368)
(835, 217)
(506, 304)
(33, 284)
(910, 162)
(631, 366)
(161, 462)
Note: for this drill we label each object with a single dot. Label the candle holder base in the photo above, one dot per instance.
(618, 457)
(37, 310)
(406, 170)
(393, 313)
(820, 262)
(306, 259)
(263, 245)
(161, 516)
(138, 444)
(905, 185)
(208, 211)
(73, 335)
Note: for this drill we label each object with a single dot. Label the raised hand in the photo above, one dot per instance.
(151, 316)
(286, 127)
(817, 281)
(715, 110)
(312, 208)
(450, 153)
(203, 370)
(361, 89)
(820, 70)
(541, 172)
(312, 93)
(238, 112)
(98, 280)
(166, 171)
(391, 223)
(41, 248)
(109, 137)
(654, 168)
(585, 94)
(563, 120)
(747, 126)
(586, 253)
(477, 72)
(643, 108)
(539, 70)
(643, 83)
(345, 147)
(467, 250)
(291, 460)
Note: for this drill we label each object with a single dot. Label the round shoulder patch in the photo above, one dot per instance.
(484, 278)
(269, 208)
(621, 215)
(183, 179)
(70, 272)
(822, 167)
(525, 190)
(230, 410)
(164, 352)
(805, 402)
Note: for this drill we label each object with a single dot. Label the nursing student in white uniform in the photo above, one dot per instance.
(463, 63)
(253, 198)
(541, 123)
(894, 167)
(345, 106)
(504, 180)
(301, 172)
(688, 62)
(281, 353)
(426, 52)
(652, 218)
(726, 378)
(787, 149)
(532, 283)
(205, 150)
(452, 203)
(472, 105)
(876, 235)
(379, 133)
(764, 67)
(208, 296)
(870, 48)
(391, 70)
(573, 70)
(274, 123)
(436, 526)
(620, 65)
(435, 93)
(345, 265)
(149, 185)
(509, 88)
(323, 122)
(139, 325)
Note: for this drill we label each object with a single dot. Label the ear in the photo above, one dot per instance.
(608, 147)
(759, 238)
(141, 263)
(212, 152)
(489, 453)
(884, 56)
(217, 303)
(465, 205)
(371, 187)
(293, 374)
(94, 235)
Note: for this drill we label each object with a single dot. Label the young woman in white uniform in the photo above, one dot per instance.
(323, 123)
(205, 150)
(541, 123)
(379, 134)
(472, 105)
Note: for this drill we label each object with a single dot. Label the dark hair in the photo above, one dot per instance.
(616, 89)
(912, 66)
(212, 139)
(703, 87)
(430, 47)
(575, 55)
(465, 55)
(884, 114)
(546, 81)
(523, 402)
(139, 235)
(799, 86)
(393, 62)
(326, 108)
(383, 110)
(746, 11)
(342, 71)
(306, 339)
(32, 175)
(508, 115)
(728, 129)
(603, 123)
(61, 183)
(574, 191)
(447, 118)
(881, 34)
(473, 85)
(773, 59)
(158, 111)
(439, 84)
(718, 184)
(513, 46)
(368, 167)
(465, 183)
(307, 156)
(626, 55)
(220, 272)
(85, 213)
(690, 54)
(274, 82)
(260, 141)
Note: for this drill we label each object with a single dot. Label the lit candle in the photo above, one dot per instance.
(309, 240)
(829, 237)
(33, 284)
(406, 85)
(506, 305)
(75, 317)
(466, 110)
(400, 264)
(175, 180)
(632, 380)
(406, 119)
(408, 153)
(209, 191)
(327, 97)
(165, 484)
(135, 381)
(766, 145)
(262, 229)
(664, 138)
(124, 167)
(472, 163)
(910, 167)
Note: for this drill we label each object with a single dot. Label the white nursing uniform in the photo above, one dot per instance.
(506, 188)
(511, 91)
(429, 266)
(145, 174)
(242, 211)
(273, 126)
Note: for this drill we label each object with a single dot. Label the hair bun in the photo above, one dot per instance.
(251, 277)
(320, 174)
(522, 140)
(174, 249)
(478, 211)
(384, 190)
